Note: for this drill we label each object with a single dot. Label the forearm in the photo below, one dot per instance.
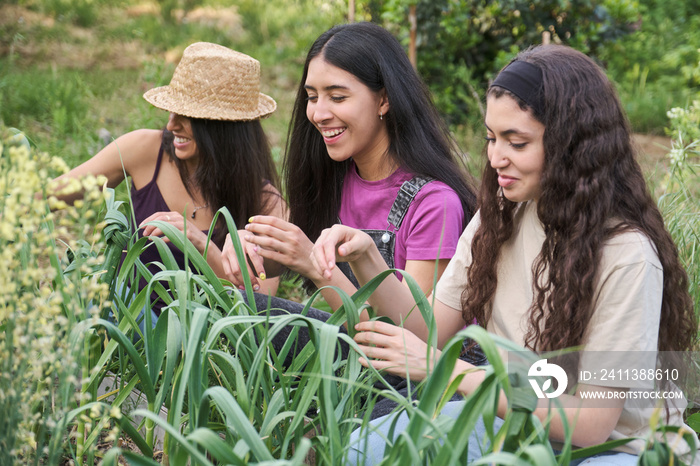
(591, 421)
(126, 156)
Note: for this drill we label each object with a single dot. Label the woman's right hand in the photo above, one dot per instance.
(393, 349)
(232, 268)
(340, 243)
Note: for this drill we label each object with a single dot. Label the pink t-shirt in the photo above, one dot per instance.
(436, 210)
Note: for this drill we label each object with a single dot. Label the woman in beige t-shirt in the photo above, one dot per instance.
(568, 249)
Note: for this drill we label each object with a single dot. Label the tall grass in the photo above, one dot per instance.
(244, 407)
(233, 400)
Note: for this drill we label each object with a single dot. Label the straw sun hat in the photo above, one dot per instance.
(216, 83)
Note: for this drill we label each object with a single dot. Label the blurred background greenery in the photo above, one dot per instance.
(71, 67)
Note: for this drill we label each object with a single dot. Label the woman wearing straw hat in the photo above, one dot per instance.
(212, 153)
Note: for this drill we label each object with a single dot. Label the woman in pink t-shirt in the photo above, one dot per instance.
(367, 149)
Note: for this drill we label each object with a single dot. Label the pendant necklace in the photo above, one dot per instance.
(194, 212)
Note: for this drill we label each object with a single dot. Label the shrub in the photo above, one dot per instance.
(461, 45)
(656, 66)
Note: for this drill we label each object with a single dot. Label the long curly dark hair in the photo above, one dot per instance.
(235, 168)
(590, 176)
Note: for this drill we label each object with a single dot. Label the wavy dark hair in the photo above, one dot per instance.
(419, 140)
(590, 176)
(235, 168)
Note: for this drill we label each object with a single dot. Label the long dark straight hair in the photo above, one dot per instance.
(590, 177)
(234, 168)
(419, 140)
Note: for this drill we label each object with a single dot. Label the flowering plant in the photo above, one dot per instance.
(45, 288)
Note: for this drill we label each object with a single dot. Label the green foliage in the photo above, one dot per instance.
(60, 101)
(681, 191)
(657, 66)
(288, 28)
(209, 361)
(461, 45)
(168, 8)
(83, 13)
(41, 298)
(693, 422)
(233, 399)
(58, 107)
(229, 398)
(80, 12)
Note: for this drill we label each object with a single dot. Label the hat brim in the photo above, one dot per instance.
(166, 98)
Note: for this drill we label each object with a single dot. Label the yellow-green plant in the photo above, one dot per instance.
(680, 202)
(41, 299)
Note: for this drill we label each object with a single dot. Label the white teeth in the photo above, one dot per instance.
(180, 140)
(333, 132)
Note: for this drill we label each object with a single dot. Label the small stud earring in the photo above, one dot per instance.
(380, 115)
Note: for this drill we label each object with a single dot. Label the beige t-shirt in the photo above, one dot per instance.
(627, 301)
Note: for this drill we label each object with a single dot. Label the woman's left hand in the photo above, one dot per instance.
(393, 349)
(282, 242)
(194, 234)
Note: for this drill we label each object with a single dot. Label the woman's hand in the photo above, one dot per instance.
(339, 243)
(194, 234)
(232, 268)
(393, 349)
(281, 242)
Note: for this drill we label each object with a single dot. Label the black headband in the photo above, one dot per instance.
(524, 80)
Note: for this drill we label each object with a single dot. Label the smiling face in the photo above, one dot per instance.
(346, 112)
(181, 127)
(515, 148)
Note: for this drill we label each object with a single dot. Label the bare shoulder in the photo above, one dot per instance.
(131, 154)
(137, 152)
(139, 147)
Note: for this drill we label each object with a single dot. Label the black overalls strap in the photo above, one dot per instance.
(403, 200)
(386, 239)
